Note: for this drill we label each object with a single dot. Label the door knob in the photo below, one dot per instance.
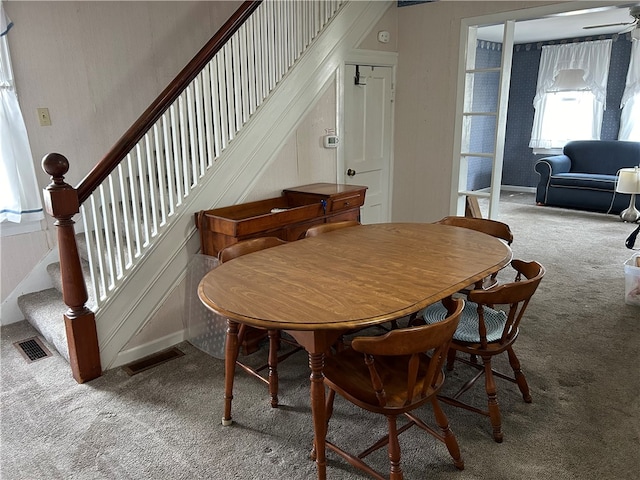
(351, 172)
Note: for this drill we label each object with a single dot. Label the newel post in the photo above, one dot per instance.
(61, 202)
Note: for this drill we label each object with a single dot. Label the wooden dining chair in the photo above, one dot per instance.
(489, 326)
(244, 247)
(392, 375)
(329, 227)
(238, 249)
(472, 207)
(490, 227)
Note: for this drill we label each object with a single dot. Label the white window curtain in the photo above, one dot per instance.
(592, 58)
(19, 194)
(630, 104)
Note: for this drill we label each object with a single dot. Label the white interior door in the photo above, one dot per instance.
(367, 137)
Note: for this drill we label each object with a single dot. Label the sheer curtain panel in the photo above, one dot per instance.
(630, 104)
(590, 57)
(19, 194)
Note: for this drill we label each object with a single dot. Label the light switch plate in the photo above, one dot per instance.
(43, 117)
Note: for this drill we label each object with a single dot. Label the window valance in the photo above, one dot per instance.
(591, 57)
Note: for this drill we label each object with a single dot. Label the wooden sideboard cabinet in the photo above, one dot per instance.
(287, 217)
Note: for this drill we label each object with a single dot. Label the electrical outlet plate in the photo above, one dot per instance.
(383, 36)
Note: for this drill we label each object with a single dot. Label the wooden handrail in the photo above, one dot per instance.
(160, 105)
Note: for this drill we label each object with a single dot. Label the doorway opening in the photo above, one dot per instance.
(484, 81)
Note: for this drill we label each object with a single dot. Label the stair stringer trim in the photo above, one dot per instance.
(135, 301)
(37, 280)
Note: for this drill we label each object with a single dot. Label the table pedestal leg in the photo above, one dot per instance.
(316, 362)
(231, 354)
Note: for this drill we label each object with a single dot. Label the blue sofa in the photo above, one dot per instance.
(584, 177)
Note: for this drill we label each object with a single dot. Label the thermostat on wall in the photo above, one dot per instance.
(331, 141)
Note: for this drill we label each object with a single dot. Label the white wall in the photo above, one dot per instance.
(428, 46)
(389, 23)
(303, 159)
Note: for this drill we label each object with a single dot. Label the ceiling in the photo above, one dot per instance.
(559, 26)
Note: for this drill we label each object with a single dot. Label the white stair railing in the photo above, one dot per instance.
(128, 211)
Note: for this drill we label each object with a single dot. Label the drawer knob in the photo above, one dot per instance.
(351, 172)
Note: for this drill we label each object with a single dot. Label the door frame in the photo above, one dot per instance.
(375, 59)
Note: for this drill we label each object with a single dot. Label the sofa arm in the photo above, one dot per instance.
(546, 167)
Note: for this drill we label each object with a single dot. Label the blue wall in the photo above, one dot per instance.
(518, 158)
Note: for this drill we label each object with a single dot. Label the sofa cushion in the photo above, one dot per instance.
(601, 156)
(588, 181)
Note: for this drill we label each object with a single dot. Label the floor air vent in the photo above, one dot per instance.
(152, 361)
(32, 349)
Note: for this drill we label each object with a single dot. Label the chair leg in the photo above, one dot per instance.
(492, 394)
(451, 358)
(274, 343)
(449, 438)
(415, 319)
(520, 378)
(394, 449)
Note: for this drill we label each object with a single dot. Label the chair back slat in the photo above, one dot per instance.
(515, 296)
(412, 342)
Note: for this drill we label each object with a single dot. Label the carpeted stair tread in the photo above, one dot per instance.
(44, 310)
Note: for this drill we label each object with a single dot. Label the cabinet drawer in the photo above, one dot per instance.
(345, 202)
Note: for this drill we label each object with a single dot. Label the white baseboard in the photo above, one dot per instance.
(155, 346)
(517, 188)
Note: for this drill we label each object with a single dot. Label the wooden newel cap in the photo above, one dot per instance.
(60, 199)
(56, 165)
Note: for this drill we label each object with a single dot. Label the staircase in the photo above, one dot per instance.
(208, 147)
(44, 310)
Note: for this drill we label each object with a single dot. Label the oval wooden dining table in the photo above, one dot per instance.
(319, 287)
